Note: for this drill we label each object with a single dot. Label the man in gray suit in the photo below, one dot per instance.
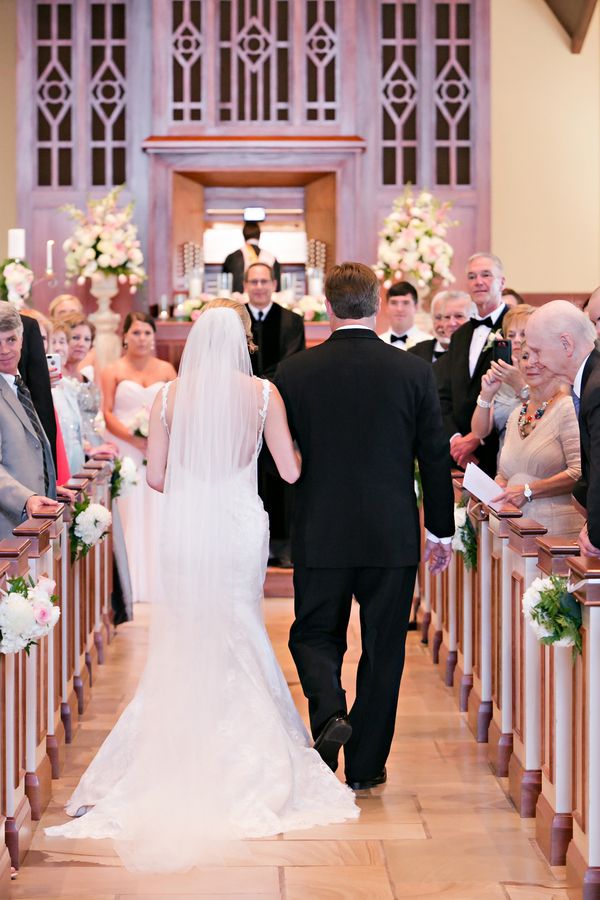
(27, 474)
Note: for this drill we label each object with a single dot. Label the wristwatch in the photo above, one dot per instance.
(528, 493)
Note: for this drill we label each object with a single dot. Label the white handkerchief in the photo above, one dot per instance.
(479, 484)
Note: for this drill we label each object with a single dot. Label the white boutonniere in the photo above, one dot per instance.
(493, 336)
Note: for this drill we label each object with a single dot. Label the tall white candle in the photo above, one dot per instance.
(16, 243)
(49, 248)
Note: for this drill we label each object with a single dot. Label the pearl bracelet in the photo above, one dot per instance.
(483, 403)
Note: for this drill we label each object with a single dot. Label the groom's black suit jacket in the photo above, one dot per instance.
(459, 391)
(361, 412)
(587, 489)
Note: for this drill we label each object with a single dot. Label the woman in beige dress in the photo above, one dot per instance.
(540, 460)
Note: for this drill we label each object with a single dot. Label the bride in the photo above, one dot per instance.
(211, 749)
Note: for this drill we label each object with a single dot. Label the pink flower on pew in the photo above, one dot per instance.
(47, 585)
(42, 612)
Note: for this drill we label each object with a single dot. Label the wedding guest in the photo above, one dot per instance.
(468, 358)
(277, 333)
(64, 395)
(89, 398)
(592, 310)
(503, 386)
(27, 473)
(512, 297)
(64, 304)
(562, 338)
(449, 310)
(239, 262)
(540, 461)
(401, 306)
(129, 387)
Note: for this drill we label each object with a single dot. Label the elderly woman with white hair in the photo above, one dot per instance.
(449, 310)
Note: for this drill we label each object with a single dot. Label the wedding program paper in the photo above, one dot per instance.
(481, 485)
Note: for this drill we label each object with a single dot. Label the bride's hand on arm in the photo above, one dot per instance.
(279, 440)
(158, 446)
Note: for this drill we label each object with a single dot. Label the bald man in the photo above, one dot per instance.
(562, 338)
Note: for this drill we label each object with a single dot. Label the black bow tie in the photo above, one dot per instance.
(487, 322)
(398, 337)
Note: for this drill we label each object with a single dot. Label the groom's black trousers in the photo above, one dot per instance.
(323, 599)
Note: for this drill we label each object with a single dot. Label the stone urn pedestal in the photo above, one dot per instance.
(107, 343)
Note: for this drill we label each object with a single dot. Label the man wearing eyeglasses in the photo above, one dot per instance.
(277, 333)
(468, 359)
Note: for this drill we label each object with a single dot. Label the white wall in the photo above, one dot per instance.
(545, 150)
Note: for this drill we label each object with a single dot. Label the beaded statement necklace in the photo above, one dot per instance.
(528, 422)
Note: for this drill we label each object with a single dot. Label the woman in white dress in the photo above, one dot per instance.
(211, 750)
(129, 387)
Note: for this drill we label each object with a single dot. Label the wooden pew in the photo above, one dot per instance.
(479, 706)
(554, 809)
(5, 861)
(77, 596)
(16, 807)
(500, 733)
(525, 766)
(583, 854)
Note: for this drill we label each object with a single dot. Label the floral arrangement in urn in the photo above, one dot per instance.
(412, 242)
(104, 241)
(16, 279)
(312, 309)
(28, 611)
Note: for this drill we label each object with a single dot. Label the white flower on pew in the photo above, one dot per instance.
(90, 524)
(465, 539)
(27, 612)
(553, 614)
(124, 477)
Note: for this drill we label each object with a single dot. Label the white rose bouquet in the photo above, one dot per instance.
(140, 424)
(28, 611)
(412, 242)
(90, 524)
(553, 613)
(105, 240)
(124, 477)
(16, 279)
(465, 539)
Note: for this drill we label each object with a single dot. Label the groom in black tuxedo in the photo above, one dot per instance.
(360, 412)
(468, 359)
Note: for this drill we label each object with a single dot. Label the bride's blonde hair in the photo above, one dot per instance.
(241, 310)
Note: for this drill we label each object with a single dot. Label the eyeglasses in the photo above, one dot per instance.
(261, 282)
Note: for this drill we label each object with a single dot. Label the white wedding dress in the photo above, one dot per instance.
(211, 750)
(140, 510)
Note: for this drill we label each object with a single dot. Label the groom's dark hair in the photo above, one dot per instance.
(353, 290)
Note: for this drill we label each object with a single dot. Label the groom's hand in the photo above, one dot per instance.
(438, 556)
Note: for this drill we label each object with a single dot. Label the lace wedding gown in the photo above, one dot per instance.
(211, 750)
(140, 510)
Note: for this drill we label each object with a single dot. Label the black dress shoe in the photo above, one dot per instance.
(368, 783)
(333, 735)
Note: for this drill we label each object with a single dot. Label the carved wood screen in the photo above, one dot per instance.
(97, 77)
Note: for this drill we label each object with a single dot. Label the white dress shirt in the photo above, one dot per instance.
(255, 311)
(11, 381)
(413, 336)
(578, 378)
(480, 336)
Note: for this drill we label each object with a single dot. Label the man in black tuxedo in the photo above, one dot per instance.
(238, 261)
(468, 359)
(360, 412)
(562, 338)
(277, 333)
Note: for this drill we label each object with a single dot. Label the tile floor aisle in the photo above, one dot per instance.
(441, 829)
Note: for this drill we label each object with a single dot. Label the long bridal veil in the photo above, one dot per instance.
(179, 755)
